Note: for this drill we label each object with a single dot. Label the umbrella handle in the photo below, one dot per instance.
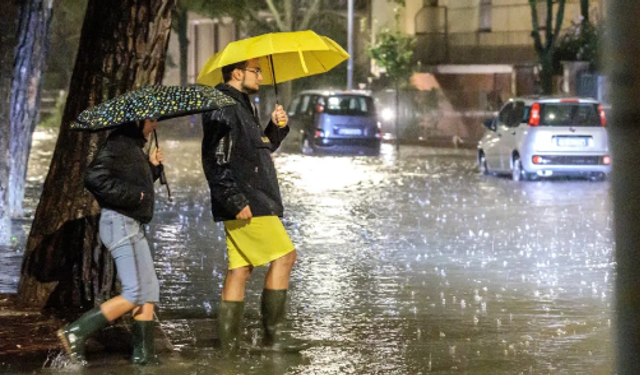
(163, 177)
(275, 84)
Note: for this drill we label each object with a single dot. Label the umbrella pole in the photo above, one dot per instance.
(163, 177)
(275, 84)
(273, 75)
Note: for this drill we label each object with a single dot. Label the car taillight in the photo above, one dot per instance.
(534, 116)
(319, 134)
(606, 160)
(603, 116)
(537, 159)
(319, 108)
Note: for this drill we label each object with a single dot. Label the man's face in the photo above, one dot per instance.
(252, 77)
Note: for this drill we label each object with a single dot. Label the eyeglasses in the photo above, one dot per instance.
(256, 71)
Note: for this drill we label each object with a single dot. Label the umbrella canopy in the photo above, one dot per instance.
(294, 55)
(151, 102)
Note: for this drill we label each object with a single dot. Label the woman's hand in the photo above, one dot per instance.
(156, 157)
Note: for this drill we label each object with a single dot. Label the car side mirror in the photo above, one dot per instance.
(490, 124)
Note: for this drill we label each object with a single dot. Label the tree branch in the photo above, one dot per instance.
(548, 32)
(535, 34)
(276, 15)
(313, 11)
(559, 18)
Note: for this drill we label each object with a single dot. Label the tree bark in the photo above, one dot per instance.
(30, 63)
(123, 46)
(7, 43)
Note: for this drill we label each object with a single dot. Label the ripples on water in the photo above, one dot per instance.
(406, 265)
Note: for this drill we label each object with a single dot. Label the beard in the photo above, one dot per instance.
(248, 90)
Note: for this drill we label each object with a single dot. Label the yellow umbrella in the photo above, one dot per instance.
(287, 56)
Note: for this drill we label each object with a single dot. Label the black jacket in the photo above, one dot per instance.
(120, 172)
(236, 157)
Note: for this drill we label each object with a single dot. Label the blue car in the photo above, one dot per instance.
(334, 122)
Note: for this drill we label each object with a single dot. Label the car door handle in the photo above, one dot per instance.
(514, 133)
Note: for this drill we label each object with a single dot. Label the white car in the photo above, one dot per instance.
(545, 136)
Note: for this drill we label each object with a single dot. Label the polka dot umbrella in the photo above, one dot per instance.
(152, 102)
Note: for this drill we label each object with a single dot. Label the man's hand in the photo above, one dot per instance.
(279, 116)
(156, 157)
(244, 214)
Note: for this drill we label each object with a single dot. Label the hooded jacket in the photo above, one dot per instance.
(120, 172)
(236, 158)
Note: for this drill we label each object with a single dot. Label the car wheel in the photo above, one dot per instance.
(306, 146)
(482, 164)
(516, 171)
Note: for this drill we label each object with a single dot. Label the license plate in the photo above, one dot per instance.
(572, 142)
(349, 131)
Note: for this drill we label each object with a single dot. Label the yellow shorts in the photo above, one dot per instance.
(256, 242)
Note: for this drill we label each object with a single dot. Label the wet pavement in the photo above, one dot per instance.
(409, 264)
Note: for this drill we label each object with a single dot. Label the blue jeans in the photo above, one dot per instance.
(125, 240)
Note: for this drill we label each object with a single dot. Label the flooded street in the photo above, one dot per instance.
(409, 264)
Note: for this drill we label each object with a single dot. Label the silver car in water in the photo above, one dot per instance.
(535, 137)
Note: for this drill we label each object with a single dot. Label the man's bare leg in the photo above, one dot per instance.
(279, 272)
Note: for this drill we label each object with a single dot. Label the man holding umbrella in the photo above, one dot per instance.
(236, 157)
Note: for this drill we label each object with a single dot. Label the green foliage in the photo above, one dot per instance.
(580, 43)
(394, 52)
(213, 9)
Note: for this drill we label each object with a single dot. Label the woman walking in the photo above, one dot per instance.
(121, 178)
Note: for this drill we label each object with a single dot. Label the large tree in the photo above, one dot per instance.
(8, 15)
(122, 46)
(545, 50)
(29, 65)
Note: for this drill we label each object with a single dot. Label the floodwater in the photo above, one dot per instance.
(409, 264)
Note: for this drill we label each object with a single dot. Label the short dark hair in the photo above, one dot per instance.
(228, 69)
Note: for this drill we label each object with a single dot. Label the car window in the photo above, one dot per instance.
(569, 114)
(304, 105)
(293, 106)
(517, 115)
(313, 100)
(349, 105)
(503, 117)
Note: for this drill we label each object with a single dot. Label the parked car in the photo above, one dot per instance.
(335, 121)
(536, 137)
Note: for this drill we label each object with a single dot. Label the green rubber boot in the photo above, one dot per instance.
(273, 312)
(73, 335)
(144, 346)
(229, 325)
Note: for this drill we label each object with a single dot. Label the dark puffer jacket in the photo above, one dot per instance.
(120, 172)
(236, 157)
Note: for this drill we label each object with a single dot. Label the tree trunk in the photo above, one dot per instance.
(7, 44)
(30, 63)
(181, 20)
(123, 46)
(584, 11)
(546, 73)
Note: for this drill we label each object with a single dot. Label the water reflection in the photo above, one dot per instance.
(408, 264)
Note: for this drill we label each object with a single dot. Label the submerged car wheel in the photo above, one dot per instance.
(306, 147)
(516, 170)
(482, 164)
